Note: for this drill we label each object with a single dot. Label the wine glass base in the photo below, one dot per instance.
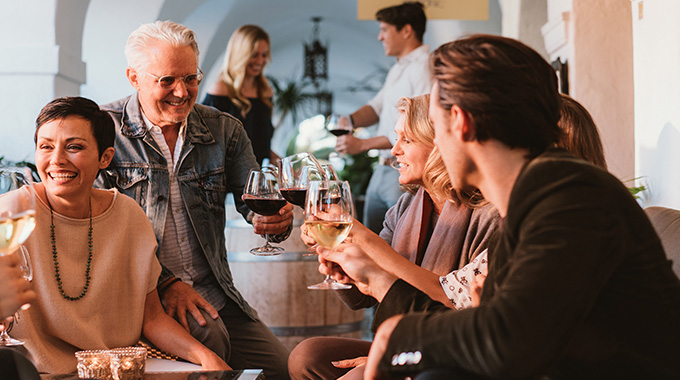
(329, 285)
(267, 251)
(10, 342)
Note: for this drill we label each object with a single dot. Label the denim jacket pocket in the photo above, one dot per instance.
(215, 190)
(131, 182)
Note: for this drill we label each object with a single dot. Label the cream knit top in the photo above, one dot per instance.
(124, 270)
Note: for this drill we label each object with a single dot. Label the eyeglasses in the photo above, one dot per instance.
(168, 82)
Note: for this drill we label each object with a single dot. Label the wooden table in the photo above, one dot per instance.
(248, 374)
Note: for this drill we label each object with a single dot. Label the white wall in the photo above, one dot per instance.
(58, 45)
(39, 60)
(656, 35)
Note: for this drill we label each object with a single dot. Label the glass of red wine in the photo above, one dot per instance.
(338, 127)
(262, 196)
(295, 173)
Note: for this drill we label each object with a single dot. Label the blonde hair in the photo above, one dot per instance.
(240, 49)
(418, 127)
(136, 49)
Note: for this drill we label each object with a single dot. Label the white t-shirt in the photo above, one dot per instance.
(409, 77)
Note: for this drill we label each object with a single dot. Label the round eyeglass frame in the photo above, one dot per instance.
(174, 79)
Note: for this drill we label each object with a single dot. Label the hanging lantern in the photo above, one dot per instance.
(316, 56)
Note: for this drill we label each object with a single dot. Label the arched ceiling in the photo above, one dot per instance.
(354, 52)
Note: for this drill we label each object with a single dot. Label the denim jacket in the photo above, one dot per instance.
(216, 159)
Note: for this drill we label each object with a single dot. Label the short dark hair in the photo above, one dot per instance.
(411, 13)
(101, 122)
(507, 89)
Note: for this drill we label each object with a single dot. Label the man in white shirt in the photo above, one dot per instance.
(401, 33)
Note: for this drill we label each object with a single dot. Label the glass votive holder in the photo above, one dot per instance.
(93, 364)
(128, 363)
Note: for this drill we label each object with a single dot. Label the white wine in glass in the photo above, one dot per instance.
(17, 221)
(329, 213)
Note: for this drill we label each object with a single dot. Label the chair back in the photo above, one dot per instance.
(666, 222)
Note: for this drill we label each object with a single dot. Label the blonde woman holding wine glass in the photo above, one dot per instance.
(431, 231)
(93, 256)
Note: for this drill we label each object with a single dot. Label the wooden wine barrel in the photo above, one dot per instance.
(276, 286)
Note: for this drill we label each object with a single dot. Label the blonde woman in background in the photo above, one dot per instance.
(242, 89)
(431, 231)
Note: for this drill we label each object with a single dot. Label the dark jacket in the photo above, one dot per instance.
(579, 287)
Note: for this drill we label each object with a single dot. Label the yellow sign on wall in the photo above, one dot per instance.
(434, 9)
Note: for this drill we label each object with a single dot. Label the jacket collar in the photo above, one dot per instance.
(133, 126)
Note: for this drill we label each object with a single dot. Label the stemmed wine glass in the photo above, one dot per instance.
(338, 127)
(262, 196)
(329, 172)
(295, 173)
(8, 324)
(17, 221)
(329, 213)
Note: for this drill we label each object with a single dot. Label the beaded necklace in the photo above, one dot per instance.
(56, 261)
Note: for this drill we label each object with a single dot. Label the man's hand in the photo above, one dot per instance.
(379, 346)
(350, 363)
(274, 224)
(181, 298)
(349, 144)
(306, 237)
(349, 263)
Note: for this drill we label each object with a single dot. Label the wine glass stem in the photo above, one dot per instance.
(266, 241)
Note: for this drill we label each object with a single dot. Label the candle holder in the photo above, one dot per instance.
(94, 364)
(125, 363)
(128, 363)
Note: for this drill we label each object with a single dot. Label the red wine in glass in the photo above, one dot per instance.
(262, 196)
(264, 206)
(338, 132)
(338, 127)
(295, 196)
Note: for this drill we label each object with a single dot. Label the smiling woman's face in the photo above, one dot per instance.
(258, 60)
(67, 157)
(411, 155)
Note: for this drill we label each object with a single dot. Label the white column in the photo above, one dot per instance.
(40, 61)
(656, 38)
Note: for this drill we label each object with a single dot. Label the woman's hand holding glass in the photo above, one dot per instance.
(17, 221)
(15, 287)
(329, 214)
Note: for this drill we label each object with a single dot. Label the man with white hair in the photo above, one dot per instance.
(179, 160)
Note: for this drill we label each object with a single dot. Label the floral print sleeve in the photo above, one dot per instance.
(456, 284)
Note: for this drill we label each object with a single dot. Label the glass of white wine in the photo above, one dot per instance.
(329, 213)
(17, 221)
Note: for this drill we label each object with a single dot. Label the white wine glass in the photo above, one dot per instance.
(329, 213)
(17, 221)
(262, 196)
(8, 324)
(295, 173)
